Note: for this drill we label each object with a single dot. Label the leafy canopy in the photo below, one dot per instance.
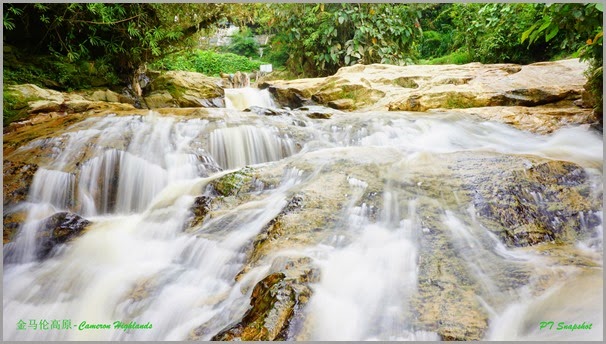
(320, 38)
(129, 34)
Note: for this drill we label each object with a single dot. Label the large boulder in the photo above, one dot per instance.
(538, 97)
(185, 89)
(477, 85)
(424, 87)
(29, 104)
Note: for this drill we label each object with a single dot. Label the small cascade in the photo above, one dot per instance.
(243, 145)
(244, 98)
(370, 301)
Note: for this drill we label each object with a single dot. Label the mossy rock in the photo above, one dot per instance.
(16, 100)
(187, 89)
(232, 183)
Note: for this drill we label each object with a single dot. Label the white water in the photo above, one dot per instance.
(243, 98)
(142, 173)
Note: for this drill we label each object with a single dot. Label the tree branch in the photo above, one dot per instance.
(103, 23)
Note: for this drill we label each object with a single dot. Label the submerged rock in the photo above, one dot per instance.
(58, 229)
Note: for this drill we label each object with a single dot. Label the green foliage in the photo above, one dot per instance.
(491, 32)
(57, 72)
(578, 27)
(595, 85)
(208, 62)
(438, 31)
(244, 44)
(10, 12)
(576, 23)
(457, 57)
(278, 52)
(435, 44)
(9, 108)
(320, 38)
(127, 34)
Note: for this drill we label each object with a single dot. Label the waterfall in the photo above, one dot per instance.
(386, 207)
(243, 98)
(242, 145)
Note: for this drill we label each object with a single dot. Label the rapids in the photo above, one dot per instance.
(136, 177)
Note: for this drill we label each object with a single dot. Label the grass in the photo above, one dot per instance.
(457, 57)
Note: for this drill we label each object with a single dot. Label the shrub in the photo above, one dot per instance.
(207, 62)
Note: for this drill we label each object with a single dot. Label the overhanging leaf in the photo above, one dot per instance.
(526, 33)
(554, 31)
(545, 25)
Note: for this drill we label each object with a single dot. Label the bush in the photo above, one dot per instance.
(57, 72)
(457, 57)
(435, 44)
(207, 62)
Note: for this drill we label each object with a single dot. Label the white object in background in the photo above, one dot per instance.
(266, 68)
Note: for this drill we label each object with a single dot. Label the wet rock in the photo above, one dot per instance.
(18, 177)
(232, 183)
(275, 302)
(319, 115)
(446, 302)
(262, 111)
(58, 229)
(46, 106)
(318, 112)
(323, 97)
(17, 99)
(160, 99)
(185, 89)
(107, 96)
(199, 210)
(546, 202)
(33, 92)
(236, 80)
(290, 97)
(12, 221)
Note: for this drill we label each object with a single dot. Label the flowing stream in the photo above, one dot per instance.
(136, 177)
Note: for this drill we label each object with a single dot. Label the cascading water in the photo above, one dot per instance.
(372, 233)
(243, 98)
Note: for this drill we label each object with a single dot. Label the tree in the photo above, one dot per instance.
(320, 38)
(128, 35)
(578, 26)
